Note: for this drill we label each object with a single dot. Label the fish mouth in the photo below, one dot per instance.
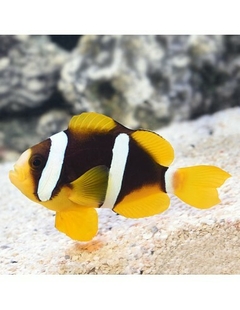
(19, 172)
(16, 175)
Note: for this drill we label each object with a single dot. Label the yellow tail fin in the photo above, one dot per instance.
(196, 186)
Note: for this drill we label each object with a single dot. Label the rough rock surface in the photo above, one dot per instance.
(18, 134)
(152, 79)
(182, 240)
(146, 81)
(29, 71)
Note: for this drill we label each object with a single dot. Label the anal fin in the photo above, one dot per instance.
(79, 225)
(147, 201)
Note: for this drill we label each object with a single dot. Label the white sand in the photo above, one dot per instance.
(183, 240)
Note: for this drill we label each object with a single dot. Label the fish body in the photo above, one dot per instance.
(98, 163)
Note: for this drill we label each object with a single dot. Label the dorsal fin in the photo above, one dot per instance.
(91, 122)
(156, 146)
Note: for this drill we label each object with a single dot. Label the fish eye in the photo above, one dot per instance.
(36, 162)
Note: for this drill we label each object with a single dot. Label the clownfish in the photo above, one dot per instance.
(98, 163)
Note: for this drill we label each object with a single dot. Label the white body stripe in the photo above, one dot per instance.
(119, 159)
(52, 170)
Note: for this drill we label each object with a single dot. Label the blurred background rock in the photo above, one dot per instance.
(141, 81)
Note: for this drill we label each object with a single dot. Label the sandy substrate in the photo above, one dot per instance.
(182, 240)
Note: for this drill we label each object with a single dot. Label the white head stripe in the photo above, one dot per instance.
(52, 170)
(119, 159)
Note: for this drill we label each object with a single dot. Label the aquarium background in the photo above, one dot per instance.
(147, 81)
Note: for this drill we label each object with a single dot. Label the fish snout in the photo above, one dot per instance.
(19, 172)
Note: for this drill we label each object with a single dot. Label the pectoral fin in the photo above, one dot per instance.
(79, 225)
(89, 189)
